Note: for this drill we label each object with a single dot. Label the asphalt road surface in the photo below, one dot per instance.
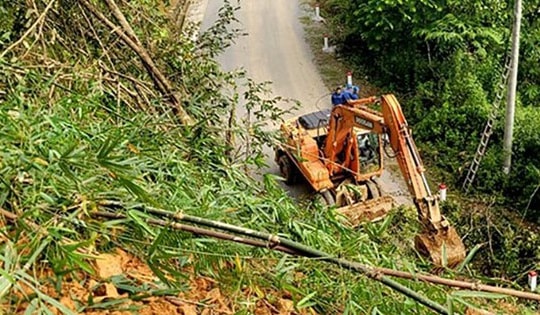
(275, 50)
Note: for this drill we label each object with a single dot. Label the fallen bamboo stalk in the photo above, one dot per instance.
(200, 231)
(292, 248)
(390, 272)
(459, 283)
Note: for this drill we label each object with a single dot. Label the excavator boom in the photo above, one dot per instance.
(438, 239)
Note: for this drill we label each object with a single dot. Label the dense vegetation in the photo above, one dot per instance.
(85, 119)
(446, 59)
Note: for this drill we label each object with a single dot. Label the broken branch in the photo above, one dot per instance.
(128, 36)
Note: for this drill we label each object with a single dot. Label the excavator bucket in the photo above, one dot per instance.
(367, 211)
(444, 247)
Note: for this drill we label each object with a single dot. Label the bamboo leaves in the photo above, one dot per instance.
(81, 123)
(12, 277)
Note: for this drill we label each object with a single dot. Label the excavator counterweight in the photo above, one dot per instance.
(340, 154)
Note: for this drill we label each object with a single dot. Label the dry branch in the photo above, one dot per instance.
(28, 31)
(130, 38)
(123, 22)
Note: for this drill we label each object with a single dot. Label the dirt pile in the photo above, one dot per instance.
(110, 291)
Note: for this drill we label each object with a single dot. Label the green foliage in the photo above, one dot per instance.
(461, 104)
(452, 33)
(446, 59)
(446, 56)
(507, 247)
(529, 74)
(518, 188)
(13, 20)
(404, 42)
(526, 150)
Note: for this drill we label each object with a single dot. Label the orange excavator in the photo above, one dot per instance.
(340, 154)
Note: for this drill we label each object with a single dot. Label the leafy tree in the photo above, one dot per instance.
(447, 56)
(446, 59)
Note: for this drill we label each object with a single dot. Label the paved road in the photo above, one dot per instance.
(275, 50)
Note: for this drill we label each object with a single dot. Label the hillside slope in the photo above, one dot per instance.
(110, 106)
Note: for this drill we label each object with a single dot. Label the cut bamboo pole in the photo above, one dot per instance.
(294, 249)
(200, 231)
(459, 283)
(306, 251)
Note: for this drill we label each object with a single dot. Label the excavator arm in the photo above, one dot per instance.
(438, 240)
(411, 165)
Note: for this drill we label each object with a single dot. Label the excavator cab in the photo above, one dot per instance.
(368, 150)
(352, 188)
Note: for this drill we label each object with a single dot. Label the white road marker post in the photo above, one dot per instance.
(326, 47)
(349, 79)
(326, 41)
(532, 280)
(317, 17)
(442, 191)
